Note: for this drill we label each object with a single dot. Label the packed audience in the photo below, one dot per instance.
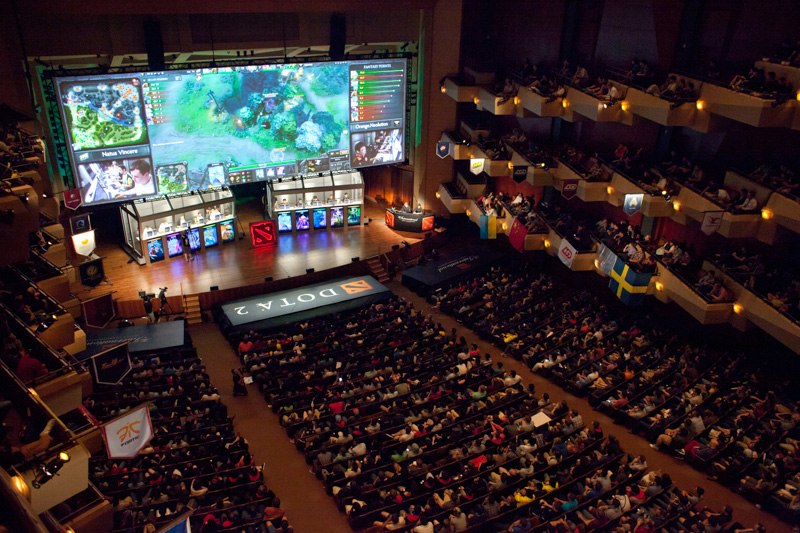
(196, 460)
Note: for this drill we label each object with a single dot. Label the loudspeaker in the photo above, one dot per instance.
(338, 36)
(153, 43)
(355, 259)
(395, 247)
(309, 271)
(215, 288)
(267, 279)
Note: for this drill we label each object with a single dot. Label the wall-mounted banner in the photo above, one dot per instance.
(633, 202)
(711, 222)
(567, 253)
(443, 149)
(127, 435)
(92, 272)
(476, 165)
(520, 173)
(72, 198)
(569, 189)
(84, 243)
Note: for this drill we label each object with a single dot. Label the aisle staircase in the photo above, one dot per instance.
(191, 307)
(377, 270)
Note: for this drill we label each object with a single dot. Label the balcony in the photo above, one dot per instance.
(745, 108)
(594, 191)
(598, 110)
(666, 113)
(473, 132)
(494, 104)
(652, 206)
(752, 308)
(784, 211)
(537, 175)
(460, 149)
(690, 203)
(492, 167)
(454, 202)
(458, 90)
(535, 104)
(673, 288)
(583, 261)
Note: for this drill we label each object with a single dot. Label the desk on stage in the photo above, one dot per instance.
(417, 222)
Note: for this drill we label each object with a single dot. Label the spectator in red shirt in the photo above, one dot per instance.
(30, 368)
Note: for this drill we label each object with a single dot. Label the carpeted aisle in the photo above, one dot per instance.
(308, 508)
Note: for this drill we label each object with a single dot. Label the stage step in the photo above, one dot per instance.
(376, 269)
(191, 307)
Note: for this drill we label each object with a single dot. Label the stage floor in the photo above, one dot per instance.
(236, 264)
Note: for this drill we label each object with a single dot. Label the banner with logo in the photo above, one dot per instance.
(517, 235)
(99, 311)
(84, 243)
(179, 525)
(92, 273)
(606, 259)
(262, 234)
(72, 198)
(567, 253)
(127, 435)
(488, 227)
(520, 173)
(80, 223)
(111, 365)
(629, 286)
(269, 306)
(633, 202)
(443, 149)
(569, 189)
(712, 220)
(476, 166)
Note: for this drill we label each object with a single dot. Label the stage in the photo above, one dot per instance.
(236, 264)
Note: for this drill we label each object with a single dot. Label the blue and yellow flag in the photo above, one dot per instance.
(488, 227)
(629, 285)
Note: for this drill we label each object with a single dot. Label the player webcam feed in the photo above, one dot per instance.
(208, 127)
(377, 147)
(155, 250)
(115, 180)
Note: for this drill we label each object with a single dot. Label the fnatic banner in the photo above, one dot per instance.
(302, 299)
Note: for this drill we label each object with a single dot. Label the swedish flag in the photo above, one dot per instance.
(627, 284)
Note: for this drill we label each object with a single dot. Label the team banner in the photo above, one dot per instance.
(476, 166)
(72, 198)
(127, 435)
(92, 272)
(99, 311)
(110, 366)
(569, 189)
(84, 243)
(712, 220)
(606, 259)
(633, 202)
(567, 253)
(517, 235)
(629, 286)
(520, 173)
(179, 525)
(268, 306)
(488, 227)
(443, 149)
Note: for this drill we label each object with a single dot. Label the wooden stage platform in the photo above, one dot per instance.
(236, 264)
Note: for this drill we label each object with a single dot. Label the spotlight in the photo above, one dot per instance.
(659, 286)
(766, 214)
(610, 190)
(443, 89)
(46, 471)
(438, 194)
(738, 309)
(700, 104)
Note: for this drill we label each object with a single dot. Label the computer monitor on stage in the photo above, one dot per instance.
(301, 222)
(174, 244)
(155, 249)
(284, 221)
(337, 217)
(194, 238)
(226, 231)
(320, 218)
(210, 235)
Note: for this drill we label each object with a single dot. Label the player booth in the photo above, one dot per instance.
(316, 203)
(154, 228)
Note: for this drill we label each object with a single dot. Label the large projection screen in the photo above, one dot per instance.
(133, 135)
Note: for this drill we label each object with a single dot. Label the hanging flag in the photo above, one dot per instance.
(128, 434)
(629, 286)
(112, 364)
(488, 227)
(567, 253)
(569, 189)
(517, 235)
(606, 259)
(711, 221)
(633, 202)
(84, 243)
(179, 524)
(92, 272)
(520, 173)
(443, 149)
(72, 198)
(476, 166)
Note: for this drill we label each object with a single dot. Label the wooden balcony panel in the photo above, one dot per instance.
(662, 111)
(593, 108)
(736, 181)
(460, 93)
(595, 191)
(745, 108)
(694, 304)
(474, 133)
(539, 105)
(785, 211)
(492, 103)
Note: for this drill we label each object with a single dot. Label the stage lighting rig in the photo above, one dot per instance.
(46, 471)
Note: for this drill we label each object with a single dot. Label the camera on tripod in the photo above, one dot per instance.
(146, 296)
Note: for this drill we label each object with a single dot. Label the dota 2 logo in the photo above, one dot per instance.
(262, 234)
(351, 287)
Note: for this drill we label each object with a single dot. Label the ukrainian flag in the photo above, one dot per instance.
(627, 284)
(488, 227)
